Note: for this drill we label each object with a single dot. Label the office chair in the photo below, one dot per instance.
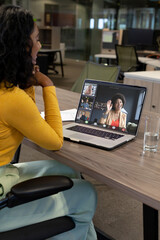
(47, 61)
(127, 58)
(52, 57)
(98, 72)
(31, 190)
(16, 155)
(42, 61)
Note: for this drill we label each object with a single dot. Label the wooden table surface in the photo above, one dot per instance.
(124, 168)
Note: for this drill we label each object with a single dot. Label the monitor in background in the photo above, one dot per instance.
(109, 39)
(141, 38)
(156, 39)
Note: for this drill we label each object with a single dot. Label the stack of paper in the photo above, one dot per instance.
(66, 115)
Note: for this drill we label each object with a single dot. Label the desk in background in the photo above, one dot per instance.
(124, 168)
(150, 80)
(51, 55)
(107, 57)
(155, 63)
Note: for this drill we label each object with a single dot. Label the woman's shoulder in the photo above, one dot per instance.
(14, 95)
(11, 91)
(123, 114)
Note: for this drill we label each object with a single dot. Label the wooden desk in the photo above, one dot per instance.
(124, 168)
(51, 53)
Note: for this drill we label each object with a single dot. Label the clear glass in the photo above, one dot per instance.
(151, 134)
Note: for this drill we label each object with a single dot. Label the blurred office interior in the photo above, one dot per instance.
(76, 26)
(81, 29)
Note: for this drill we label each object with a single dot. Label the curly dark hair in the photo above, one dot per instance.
(16, 26)
(118, 96)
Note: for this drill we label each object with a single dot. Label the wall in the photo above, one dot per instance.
(37, 8)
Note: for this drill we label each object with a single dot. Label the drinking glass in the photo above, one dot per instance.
(151, 134)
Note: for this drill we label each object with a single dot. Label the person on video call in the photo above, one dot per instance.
(113, 115)
(88, 90)
(19, 117)
(86, 104)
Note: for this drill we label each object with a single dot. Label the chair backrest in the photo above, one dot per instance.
(98, 72)
(42, 61)
(126, 57)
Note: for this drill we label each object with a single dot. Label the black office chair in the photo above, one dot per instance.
(47, 61)
(42, 61)
(16, 155)
(52, 65)
(31, 190)
(127, 59)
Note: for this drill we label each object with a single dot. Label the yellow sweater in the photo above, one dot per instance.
(19, 117)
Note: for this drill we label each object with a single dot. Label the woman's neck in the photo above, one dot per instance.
(117, 112)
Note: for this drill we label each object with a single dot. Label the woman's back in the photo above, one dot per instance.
(19, 117)
(10, 138)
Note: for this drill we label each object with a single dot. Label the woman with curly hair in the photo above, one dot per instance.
(19, 117)
(113, 115)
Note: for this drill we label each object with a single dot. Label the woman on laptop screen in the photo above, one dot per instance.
(114, 116)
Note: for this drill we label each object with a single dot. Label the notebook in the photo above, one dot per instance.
(108, 114)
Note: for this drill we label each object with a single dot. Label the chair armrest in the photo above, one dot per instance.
(37, 188)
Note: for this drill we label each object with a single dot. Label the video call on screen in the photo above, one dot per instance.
(93, 104)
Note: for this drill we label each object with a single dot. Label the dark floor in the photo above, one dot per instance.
(72, 70)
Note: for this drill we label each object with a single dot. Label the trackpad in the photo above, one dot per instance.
(80, 137)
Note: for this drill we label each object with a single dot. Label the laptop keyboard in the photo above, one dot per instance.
(95, 132)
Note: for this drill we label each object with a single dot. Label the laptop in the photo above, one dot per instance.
(108, 114)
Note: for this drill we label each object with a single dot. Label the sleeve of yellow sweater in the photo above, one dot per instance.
(24, 116)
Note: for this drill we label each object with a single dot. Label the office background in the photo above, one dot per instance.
(81, 22)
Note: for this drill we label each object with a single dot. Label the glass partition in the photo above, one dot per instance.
(79, 24)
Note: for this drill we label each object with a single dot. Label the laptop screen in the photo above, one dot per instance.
(111, 105)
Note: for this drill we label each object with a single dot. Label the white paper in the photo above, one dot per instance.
(66, 115)
(42, 115)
